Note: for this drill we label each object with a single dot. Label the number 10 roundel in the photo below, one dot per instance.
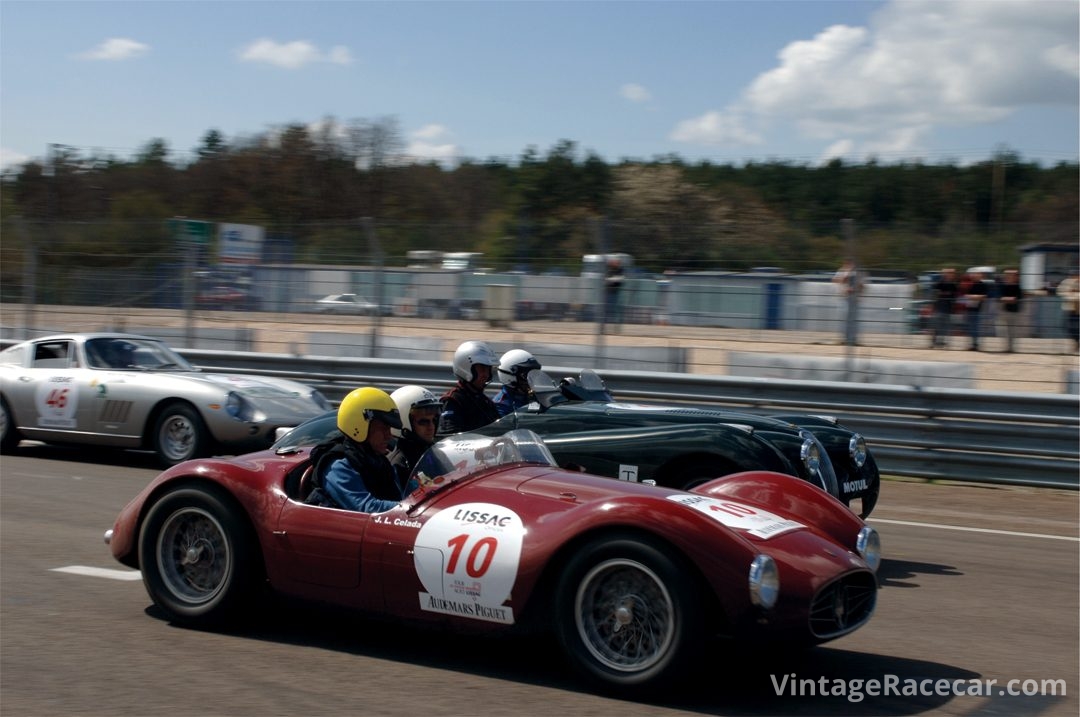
(467, 560)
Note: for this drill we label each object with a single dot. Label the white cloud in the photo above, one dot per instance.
(116, 48)
(431, 131)
(433, 152)
(841, 149)
(426, 146)
(716, 128)
(634, 93)
(921, 64)
(292, 55)
(1064, 58)
(9, 158)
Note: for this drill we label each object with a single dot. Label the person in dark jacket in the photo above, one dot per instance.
(1010, 298)
(362, 479)
(945, 292)
(974, 298)
(420, 410)
(466, 406)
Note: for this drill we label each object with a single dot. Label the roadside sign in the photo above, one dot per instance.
(189, 232)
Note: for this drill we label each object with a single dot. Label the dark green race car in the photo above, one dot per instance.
(674, 446)
(680, 446)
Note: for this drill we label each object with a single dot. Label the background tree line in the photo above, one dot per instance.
(538, 212)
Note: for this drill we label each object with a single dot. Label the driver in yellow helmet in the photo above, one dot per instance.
(362, 479)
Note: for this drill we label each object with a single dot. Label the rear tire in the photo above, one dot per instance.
(179, 435)
(9, 434)
(198, 557)
(628, 614)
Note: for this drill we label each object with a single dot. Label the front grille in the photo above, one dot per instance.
(843, 605)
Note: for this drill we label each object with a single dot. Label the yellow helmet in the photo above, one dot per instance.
(363, 405)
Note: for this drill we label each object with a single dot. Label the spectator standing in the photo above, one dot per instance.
(1069, 293)
(945, 292)
(1010, 299)
(613, 281)
(850, 282)
(974, 298)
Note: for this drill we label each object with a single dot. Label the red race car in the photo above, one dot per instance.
(634, 579)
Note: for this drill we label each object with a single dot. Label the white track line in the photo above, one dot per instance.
(939, 526)
(100, 572)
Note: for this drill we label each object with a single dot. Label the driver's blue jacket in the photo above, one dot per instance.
(508, 400)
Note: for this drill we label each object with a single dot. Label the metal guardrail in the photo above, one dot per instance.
(1008, 438)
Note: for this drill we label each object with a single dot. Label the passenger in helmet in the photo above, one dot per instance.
(119, 353)
(362, 478)
(513, 370)
(419, 409)
(466, 406)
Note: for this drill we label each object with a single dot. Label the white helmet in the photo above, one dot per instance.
(409, 397)
(514, 367)
(472, 353)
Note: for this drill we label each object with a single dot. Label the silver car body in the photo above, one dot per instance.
(131, 391)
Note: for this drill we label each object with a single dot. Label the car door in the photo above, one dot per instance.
(320, 546)
(44, 393)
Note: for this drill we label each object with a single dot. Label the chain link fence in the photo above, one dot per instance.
(769, 321)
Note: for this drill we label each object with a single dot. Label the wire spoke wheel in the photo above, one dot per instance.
(628, 613)
(193, 555)
(625, 615)
(198, 555)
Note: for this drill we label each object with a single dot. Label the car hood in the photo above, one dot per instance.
(259, 389)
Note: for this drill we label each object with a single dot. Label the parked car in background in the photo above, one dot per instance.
(637, 582)
(130, 391)
(226, 298)
(346, 304)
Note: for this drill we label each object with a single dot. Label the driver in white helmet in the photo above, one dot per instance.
(513, 370)
(420, 410)
(466, 406)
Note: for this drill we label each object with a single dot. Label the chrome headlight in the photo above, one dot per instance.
(857, 450)
(239, 407)
(810, 454)
(868, 544)
(764, 582)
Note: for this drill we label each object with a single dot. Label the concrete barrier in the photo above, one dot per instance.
(937, 374)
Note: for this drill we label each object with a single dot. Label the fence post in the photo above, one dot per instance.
(29, 295)
(375, 247)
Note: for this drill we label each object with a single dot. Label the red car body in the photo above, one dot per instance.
(497, 544)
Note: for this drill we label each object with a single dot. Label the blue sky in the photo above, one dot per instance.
(802, 81)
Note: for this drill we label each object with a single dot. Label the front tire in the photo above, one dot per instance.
(198, 557)
(628, 615)
(179, 435)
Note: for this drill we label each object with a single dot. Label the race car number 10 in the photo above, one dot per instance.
(475, 565)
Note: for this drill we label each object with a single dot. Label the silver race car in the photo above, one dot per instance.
(128, 391)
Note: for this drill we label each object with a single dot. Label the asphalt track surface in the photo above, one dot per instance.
(979, 583)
